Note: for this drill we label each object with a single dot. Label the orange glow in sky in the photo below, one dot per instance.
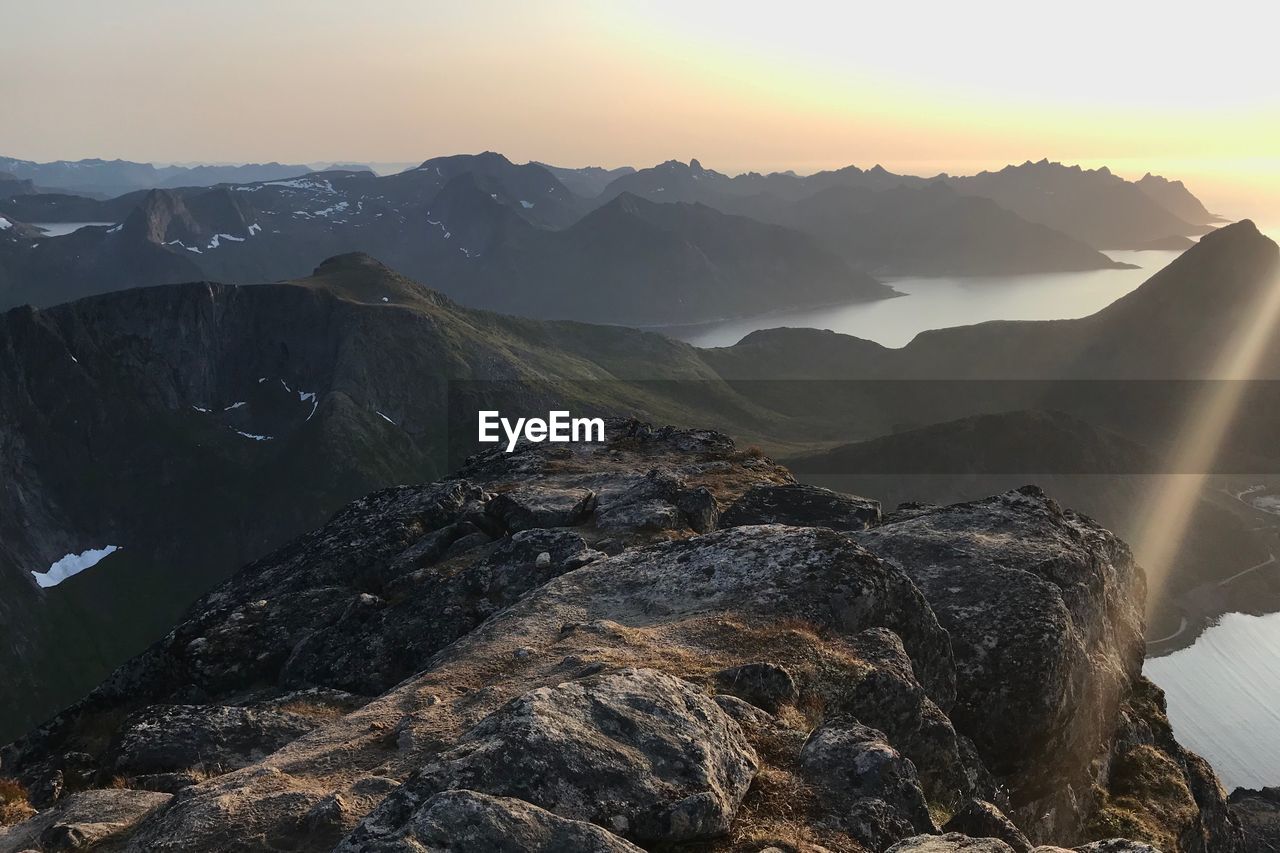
(918, 87)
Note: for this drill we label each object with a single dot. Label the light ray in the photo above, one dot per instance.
(1168, 514)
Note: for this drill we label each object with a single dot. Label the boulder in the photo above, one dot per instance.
(700, 508)
(850, 762)
(881, 691)
(1116, 845)
(527, 507)
(980, 819)
(83, 820)
(377, 642)
(47, 788)
(469, 822)
(952, 842)
(1259, 812)
(213, 739)
(801, 505)
(651, 503)
(642, 753)
(876, 824)
(1044, 611)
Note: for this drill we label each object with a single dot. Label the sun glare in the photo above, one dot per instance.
(1168, 513)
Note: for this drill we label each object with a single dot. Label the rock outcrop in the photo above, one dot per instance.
(1259, 813)
(570, 648)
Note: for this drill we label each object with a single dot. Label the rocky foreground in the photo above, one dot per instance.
(664, 643)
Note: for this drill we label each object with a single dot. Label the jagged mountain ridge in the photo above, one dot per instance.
(463, 223)
(1176, 198)
(875, 220)
(106, 178)
(588, 181)
(659, 642)
(1092, 205)
(927, 230)
(1095, 207)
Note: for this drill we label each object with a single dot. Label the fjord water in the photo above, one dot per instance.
(1224, 697)
(60, 229)
(942, 302)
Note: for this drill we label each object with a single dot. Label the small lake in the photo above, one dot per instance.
(1224, 697)
(59, 229)
(939, 303)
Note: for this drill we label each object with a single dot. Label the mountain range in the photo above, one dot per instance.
(107, 178)
(142, 419)
(515, 238)
(468, 224)
(1092, 206)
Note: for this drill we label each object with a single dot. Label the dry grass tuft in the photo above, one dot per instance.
(313, 710)
(14, 807)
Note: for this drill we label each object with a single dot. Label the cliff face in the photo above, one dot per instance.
(660, 643)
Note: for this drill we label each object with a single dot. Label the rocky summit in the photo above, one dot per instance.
(661, 642)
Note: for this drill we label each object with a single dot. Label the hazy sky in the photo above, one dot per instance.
(741, 85)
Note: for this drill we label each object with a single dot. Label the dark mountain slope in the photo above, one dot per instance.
(199, 425)
(48, 270)
(531, 189)
(63, 207)
(1017, 443)
(653, 264)
(11, 186)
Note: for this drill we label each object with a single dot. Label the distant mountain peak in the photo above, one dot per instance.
(352, 262)
(629, 202)
(484, 158)
(1229, 238)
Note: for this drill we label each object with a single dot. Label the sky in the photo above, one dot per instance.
(918, 87)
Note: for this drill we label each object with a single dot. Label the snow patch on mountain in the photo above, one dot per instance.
(71, 565)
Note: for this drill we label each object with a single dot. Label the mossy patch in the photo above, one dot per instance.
(1148, 800)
